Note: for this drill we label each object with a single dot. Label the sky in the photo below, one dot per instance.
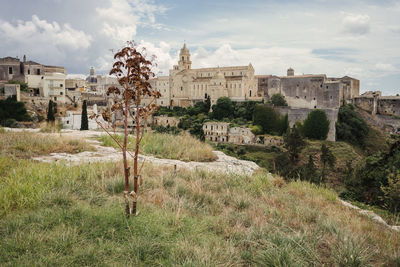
(358, 38)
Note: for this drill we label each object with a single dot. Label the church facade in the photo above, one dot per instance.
(185, 86)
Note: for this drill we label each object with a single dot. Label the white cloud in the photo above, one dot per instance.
(385, 67)
(41, 33)
(356, 24)
(121, 19)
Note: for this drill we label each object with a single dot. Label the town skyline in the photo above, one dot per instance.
(359, 39)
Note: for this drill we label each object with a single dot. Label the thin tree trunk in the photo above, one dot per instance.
(135, 159)
(126, 168)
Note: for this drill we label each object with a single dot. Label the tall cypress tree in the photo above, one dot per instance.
(50, 112)
(84, 119)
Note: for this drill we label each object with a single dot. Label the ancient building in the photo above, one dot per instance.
(12, 90)
(186, 86)
(221, 132)
(375, 103)
(100, 83)
(11, 69)
(165, 121)
(312, 90)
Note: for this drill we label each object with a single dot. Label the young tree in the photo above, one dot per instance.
(133, 71)
(327, 159)
(50, 112)
(278, 100)
(84, 117)
(207, 105)
(316, 125)
(294, 143)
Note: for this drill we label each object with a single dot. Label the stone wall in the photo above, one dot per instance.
(300, 114)
(166, 121)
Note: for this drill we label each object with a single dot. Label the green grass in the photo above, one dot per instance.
(27, 144)
(182, 147)
(58, 215)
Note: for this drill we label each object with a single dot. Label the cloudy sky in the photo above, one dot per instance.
(359, 38)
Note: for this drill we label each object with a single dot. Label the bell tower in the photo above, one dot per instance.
(184, 59)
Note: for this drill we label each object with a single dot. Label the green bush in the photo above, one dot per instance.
(256, 129)
(270, 120)
(316, 125)
(12, 111)
(350, 127)
(278, 100)
(223, 108)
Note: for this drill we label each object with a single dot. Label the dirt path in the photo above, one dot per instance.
(223, 163)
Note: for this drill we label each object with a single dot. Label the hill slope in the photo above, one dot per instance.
(73, 216)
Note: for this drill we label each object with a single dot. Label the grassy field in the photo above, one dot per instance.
(182, 147)
(58, 215)
(27, 144)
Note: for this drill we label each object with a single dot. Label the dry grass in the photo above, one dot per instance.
(27, 144)
(74, 216)
(182, 147)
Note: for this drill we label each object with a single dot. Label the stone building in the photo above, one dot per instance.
(11, 69)
(11, 90)
(166, 121)
(221, 132)
(311, 90)
(43, 80)
(100, 83)
(375, 103)
(186, 86)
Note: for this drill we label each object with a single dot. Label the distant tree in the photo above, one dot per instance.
(23, 86)
(350, 127)
(223, 108)
(294, 143)
(267, 118)
(84, 117)
(316, 125)
(284, 124)
(327, 159)
(12, 111)
(309, 170)
(278, 100)
(50, 112)
(208, 105)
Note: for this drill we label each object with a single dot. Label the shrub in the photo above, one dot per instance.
(256, 129)
(316, 125)
(278, 100)
(223, 109)
(12, 111)
(350, 127)
(84, 119)
(294, 143)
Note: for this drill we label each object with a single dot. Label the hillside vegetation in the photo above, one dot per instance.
(182, 147)
(72, 216)
(61, 215)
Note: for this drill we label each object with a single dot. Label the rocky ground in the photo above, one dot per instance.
(223, 163)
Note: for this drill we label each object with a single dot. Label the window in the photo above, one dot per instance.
(183, 58)
(162, 102)
(55, 98)
(327, 87)
(232, 73)
(10, 70)
(250, 93)
(305, 97)
(331, 97)
(61, 85)
(181, 88)
(61, 93)
(314, 98)
(29, 71)
(37, 71)
(315, 106)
